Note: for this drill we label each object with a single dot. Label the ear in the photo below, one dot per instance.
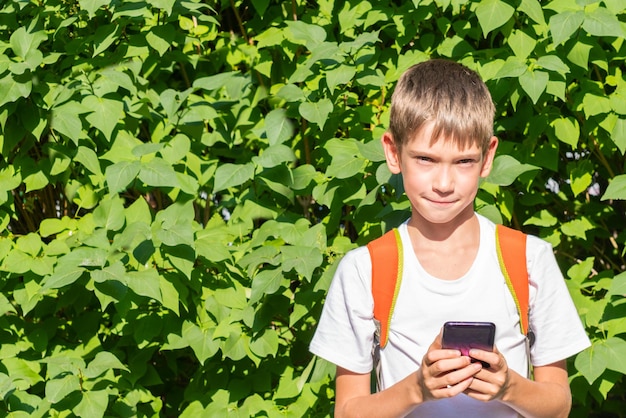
(391, 153)
(489, 157)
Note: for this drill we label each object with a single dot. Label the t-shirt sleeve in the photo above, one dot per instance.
(344, 334)
(558, 330)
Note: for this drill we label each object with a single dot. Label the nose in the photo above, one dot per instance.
(443, 181)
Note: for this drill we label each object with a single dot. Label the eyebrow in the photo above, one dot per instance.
(460, 156)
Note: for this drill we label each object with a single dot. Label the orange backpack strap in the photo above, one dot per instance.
(511, 247)
(386, 254)
(387, 261)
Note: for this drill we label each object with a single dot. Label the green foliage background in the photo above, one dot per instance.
(178, 179)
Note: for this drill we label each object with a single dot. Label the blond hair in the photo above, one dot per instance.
(448, 94)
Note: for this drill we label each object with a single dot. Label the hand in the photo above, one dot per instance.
(445, 373)
(490, 383)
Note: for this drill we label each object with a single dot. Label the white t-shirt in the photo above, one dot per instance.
(346, 327)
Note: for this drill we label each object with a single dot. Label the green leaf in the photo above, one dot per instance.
(613, 349)
(91, 6)
(567, 130)
(145, 283)
(62, 277)
(522, 44)
(104, 37)
(217, 81)
(595, 104)
(158, 173)
(344, 168)
(12, 88)
(260, 6)
(236, 345)
(506, 169)
(89, 159)
(22, 370)
(265, 282)
(532, 8)
(275, 155)
(65, 120)
(278, 126)
(266, 344)
(339, 76)
(170, 296)
(512, 67)
(93, 404)
(120, 175)
(564, 24)
(618, 285)
(581, 177)
(305, 33)
(103, 362)
(200, 340)
(579, 54)
(492, 14)
(23, 42)
(105, 113)
(316, 112)
(31, 244)
(534, 83)
(303, 259)
(553, 63)
(591, 363)
(160, 38)
(581, 271)
(601, 22)
(59, 388)
(618, 134)
(110, 213)
(616, 189)
(577, 228)
(232, 175)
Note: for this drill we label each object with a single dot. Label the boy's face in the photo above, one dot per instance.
(441, 180)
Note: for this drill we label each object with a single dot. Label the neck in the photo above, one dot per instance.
(459, 228)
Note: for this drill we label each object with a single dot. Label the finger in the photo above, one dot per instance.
(494, 359)
(481, 390)
(434, 356)
(459, 379)
(453, 390)
(436, 344)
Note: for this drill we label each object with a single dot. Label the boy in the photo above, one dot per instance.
(441, 139)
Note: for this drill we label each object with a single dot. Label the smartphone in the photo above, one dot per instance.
(463, 336)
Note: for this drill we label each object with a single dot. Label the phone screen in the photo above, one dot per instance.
(463, 336)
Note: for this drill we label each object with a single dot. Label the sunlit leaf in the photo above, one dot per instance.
(506, 169)
(564, 24)
(93, 404)
(278, 126)
(58, 389)
(265, 282)
(591, 363)
(316, 112)
(567, 130)
(492, 14)
(601, 22)
(105, 113)
(231, 175)
(266, 344)
(534, 83)
(616, 189)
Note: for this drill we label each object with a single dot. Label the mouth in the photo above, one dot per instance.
(441, 202)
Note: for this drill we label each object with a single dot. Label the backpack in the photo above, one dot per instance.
(386, 254)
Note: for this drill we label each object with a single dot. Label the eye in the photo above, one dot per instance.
(466, 161)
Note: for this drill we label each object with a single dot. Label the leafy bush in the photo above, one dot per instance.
(179, 178)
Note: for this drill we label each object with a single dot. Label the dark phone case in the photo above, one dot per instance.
(463, 336)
